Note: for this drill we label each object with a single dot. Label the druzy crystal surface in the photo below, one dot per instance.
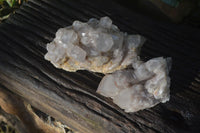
(141, 87)
(97, 45)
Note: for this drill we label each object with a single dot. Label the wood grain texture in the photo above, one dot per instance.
(71, 97)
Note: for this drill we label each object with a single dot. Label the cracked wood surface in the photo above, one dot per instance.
(71, 97)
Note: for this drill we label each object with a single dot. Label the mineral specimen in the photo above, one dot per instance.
(144, 86)
(97, 45)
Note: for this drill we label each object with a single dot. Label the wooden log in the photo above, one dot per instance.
(71, 97)
(23, 118)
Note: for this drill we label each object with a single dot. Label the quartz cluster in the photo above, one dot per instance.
(97, 45)
(144, 86)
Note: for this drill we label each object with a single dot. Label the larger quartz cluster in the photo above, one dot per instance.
(144, 86)
(97, 45)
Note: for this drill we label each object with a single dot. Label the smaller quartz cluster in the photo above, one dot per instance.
(144, 86)
(97, 45)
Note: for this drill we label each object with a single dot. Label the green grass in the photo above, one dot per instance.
(8, 7)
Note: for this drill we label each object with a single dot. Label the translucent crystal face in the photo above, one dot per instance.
(142, 87)
(97, 45)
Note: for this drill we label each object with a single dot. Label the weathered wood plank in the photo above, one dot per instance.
(71, 97)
